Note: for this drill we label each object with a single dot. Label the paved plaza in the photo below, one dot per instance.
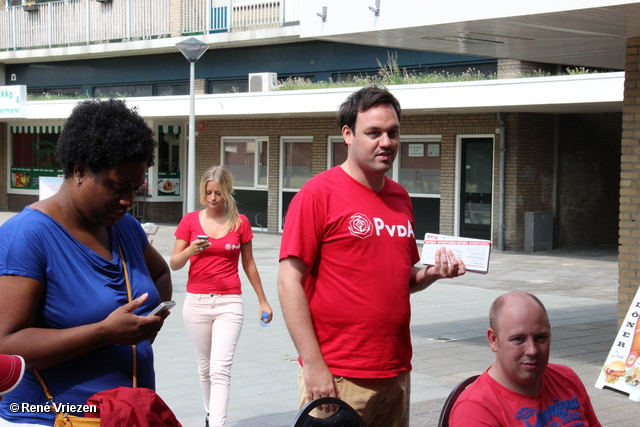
(578, 287)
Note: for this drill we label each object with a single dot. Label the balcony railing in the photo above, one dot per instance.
(78, 22)
(211, 16)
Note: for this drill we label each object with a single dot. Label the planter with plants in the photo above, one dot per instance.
(30, 6)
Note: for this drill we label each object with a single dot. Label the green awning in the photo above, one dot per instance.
(36, 129)
(169, 129)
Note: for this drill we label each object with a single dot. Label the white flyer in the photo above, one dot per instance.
(474, 252)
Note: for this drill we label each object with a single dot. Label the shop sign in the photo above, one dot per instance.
(29, 178)
(13, 101)
(416, 150)
(168, 183)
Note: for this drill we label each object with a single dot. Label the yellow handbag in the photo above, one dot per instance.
(66, 420)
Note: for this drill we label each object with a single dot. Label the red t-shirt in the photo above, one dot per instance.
(360, 247)
(562, 401)
(214, 270)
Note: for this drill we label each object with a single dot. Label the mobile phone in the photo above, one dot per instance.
(205, 238)
(163, 306)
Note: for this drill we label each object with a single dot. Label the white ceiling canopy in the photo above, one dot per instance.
(587, 33)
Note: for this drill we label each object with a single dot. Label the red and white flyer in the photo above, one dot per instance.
(474, 252)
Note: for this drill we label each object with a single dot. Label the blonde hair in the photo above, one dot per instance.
(223, 177)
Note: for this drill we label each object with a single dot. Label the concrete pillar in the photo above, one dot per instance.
(175, 23)
(629, 239)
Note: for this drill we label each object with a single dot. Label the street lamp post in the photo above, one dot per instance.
(192, 49)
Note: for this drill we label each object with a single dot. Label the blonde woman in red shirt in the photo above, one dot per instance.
(213, 308)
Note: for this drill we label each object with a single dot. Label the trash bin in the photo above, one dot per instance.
(538, 231)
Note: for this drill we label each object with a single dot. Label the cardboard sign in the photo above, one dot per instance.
(474, 252)
(621, 370)
(49, 185)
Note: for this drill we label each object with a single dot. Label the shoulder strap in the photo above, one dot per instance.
(44, 386)
(129, 295)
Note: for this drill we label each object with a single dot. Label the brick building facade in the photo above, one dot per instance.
(629, 243)
(565, 164)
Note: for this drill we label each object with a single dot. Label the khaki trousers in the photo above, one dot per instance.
(381, 402)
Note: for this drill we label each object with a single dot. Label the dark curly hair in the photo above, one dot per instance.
(103, 134)
(361, 101)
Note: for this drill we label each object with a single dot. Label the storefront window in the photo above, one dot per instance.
(33, 155)
(419, 165)
(169, 160)
(263, 162)
(297, 161)
(338, 153)
(296, 157)
(248, 161)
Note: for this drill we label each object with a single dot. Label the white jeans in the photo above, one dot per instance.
(214, 322)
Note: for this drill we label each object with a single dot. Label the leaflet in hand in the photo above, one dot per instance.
(474, 252)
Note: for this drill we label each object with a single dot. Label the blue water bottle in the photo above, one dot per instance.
(264, 318)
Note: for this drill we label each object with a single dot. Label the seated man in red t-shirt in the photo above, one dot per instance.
(521, 388)
(11, 372)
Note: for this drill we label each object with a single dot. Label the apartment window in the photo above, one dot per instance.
(248, 160)
(169, 89)
(54, 91)
(228, 86)
(132, 90)
(348, 76)
(486, 68)
(290, 78)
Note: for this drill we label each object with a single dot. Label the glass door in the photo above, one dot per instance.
(476, 179)
(168, 163)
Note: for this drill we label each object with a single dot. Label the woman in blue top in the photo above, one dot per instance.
(64, 305)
